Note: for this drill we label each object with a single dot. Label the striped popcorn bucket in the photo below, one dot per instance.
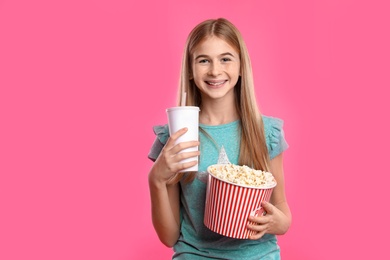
(229, 205)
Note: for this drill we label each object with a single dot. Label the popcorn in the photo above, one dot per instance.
(242, 175)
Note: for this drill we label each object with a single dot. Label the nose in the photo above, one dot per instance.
(215, 69)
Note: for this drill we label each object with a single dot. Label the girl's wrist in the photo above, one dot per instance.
(156, 182)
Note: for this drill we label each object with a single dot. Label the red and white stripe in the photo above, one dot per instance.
(228, 207)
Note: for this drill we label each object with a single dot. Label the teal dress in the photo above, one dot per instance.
(196, 241)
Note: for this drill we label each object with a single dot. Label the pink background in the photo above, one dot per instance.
(83, 82)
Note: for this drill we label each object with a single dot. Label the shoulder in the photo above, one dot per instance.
(274, 135)
(161, 132)
(162, 135)
(272, 123)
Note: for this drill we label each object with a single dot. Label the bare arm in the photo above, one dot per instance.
(165, 201)
(278, 198)
(278, 218)
(164, 192)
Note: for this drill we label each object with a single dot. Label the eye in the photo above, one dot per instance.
(203, 61)
(226, 59)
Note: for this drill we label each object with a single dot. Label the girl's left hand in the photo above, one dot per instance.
(273, 222)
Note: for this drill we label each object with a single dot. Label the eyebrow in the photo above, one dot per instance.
(206, 56)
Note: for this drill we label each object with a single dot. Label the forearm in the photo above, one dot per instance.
(165, 211)
(286, 219)
(278, 198)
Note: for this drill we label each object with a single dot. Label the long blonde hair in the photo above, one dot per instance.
(253, 149)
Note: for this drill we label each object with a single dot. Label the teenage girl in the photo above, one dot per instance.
(217, 77)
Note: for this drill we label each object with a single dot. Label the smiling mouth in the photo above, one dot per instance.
(215, 83)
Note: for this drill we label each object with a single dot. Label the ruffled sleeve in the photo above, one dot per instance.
(162, 135)
(274, 135)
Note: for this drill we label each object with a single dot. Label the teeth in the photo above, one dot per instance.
(216, 83)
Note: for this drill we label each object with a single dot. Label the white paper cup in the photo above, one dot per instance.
(185, 116)
(229, 205)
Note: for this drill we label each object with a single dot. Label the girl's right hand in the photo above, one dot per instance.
(167, 165)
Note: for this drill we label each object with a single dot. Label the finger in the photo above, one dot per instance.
(260, 230)
(186, 165)
(184, 145)
(179, 133)
(257, 226)
(174, 136)
(257, 235)
(268, 207)
(186, 155)
(176, 167)
(260, 220)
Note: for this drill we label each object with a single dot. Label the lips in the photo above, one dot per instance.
(215, 83)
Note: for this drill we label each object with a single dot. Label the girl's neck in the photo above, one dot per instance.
(217, 113)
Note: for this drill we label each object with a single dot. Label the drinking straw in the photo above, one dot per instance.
(183, 98)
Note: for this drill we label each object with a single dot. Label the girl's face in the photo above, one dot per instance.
(216, 68)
